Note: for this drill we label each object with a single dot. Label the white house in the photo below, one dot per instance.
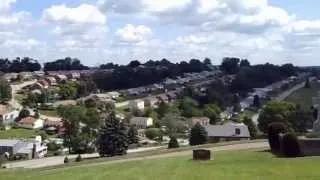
(137, 104)
(203, 121)
(7, 116)
(31, 123)
(228, 131)
(141, 122)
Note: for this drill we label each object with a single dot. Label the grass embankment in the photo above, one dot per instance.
(304, 96)
(228, 165)
(51, 113)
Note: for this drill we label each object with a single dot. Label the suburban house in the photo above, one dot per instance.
(164, 98)
(37, 86)
(32, 148)
(44, 83)
(61, 77)
(25, 75)
(7, 115)
(51, 80)
(31, 123)
(74, 75)
(203, 121)
(53, 125)
(38, 74)
(171, 95)
(137, 104)
(141, 122)
(227, 132)
(151, 101)
(10, 76)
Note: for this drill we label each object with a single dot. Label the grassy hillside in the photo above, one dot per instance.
(241, 165)
(304, 95)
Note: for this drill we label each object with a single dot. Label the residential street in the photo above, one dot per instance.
(15, 88)
(280, 97)
(58, 160)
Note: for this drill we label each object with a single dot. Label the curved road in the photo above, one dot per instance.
(14, 89)
(280, 97)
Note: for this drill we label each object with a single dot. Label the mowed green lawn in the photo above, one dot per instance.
(17, 133)
(229, 165)
(304, 96)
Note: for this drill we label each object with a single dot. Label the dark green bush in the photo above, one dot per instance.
(79, 158)
(274, 129)
(290, 145)
(66, 160)
(173, 143)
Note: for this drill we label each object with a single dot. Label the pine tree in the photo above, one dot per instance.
(307, 84)
(251, 126)
(198, 135)
(173, 143)
(133, 135)
(256, 101)
(113, 137)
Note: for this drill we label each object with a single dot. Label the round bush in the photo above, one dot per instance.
(173, 143)
(79, 158)
(290, 145)
(66, 160)
(274, 129)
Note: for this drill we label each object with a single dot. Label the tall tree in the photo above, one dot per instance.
(212, 111)
(198, 135)
(256, 101)
(251, 126)
(277, 111)
(230, 65)
(133, 135)
(113, 139)
(307, 84)
(5, 91)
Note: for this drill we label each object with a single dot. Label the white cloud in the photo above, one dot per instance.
(83, 14)
(6, 4)
(132, 34)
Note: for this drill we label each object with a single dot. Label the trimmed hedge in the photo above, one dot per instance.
(274, 129)
(290, 146)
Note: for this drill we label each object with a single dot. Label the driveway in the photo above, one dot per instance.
(14, 89)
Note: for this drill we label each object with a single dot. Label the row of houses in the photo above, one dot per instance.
(28, 148)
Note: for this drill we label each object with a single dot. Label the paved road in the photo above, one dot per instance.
(15, 88)
(58, 160)
(53, 161)
(280, 97)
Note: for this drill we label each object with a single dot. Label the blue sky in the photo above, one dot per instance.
(100, 31)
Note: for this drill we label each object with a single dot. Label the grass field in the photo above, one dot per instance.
(17, 133)
(304, 96)
(228, 165)
(52, 113)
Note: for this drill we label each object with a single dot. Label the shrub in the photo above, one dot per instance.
(173, 143)
(290, 145)
(66, 160)
(274, 130)
(79, 158)
(153, 133)
(52, 146)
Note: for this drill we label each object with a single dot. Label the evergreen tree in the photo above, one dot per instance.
(198, 135)
(307, 84)
(24, 113)
(251, 126)
(113, 137)
(173, 143)
(256, 101)
(133, 135)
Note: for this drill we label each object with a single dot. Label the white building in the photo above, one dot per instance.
(7, 116)
(31, 123)
(151, 101)
(137, 104)
(141, 122)
(228, 131)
